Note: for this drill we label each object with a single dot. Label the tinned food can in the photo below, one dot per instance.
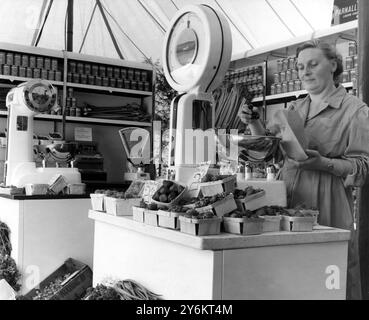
(291, 63)
(105, 82)
(91, 80)
(345, 76)
(284, 87)
(102, 71)
(87, 69)
(6, 70)
(95, 70)
(297, 85)
(36, 73)
(109, 72)
(83, 78)
(349, 63)
(147, 86)
(282, 76)
(14, 71)
(277, 78)
(80, 68)
(51, 75)
(76, 77)
(44, 74)
(58, 76)
(112, 82)
(278, 88)
(291, 86)
(98, 81)
(130, 74)
(29, 72)
(10, 58)
(279, 65)
(2, 57)
(47, 64)
(116, 73)
(25, 60)
(17, 59)
(123, 72)
(32, 62)
(40, 62)
(119, 83)
(272, 89)
(288, 75)
(54, 64)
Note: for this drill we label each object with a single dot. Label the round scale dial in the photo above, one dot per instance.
(40, 96)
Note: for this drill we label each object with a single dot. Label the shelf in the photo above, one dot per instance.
(109, 89)
(87, 120)
(293, 94)
(21, 79)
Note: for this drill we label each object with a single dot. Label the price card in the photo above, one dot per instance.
(82, 134)
(149, 189)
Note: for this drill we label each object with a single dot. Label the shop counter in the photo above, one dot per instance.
(45, 231)
(179, 266)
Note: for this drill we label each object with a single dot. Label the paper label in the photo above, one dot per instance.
(82, 134)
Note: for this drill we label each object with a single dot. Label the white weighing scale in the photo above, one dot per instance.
(23, 102)
(197, 54)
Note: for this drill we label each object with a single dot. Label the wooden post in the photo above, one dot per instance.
(363, 199)
(70, 26)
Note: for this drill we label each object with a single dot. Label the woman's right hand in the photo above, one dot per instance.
(245, 114)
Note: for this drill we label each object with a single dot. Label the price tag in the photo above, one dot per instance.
(82, 134)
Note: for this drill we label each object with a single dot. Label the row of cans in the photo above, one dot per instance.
(283, 76)
(286, 64)
(28, 61)
(349, 75)
(287, 86)
(26, 72)
(108, 82)
(104, 71)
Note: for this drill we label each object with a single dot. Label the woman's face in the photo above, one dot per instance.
(315, 70)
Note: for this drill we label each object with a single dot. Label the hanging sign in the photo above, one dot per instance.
(344, 11)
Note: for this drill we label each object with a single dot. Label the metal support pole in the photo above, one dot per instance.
(70, 25)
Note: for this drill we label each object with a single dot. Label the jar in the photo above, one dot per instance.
(284, 87)
(144, 75)
(284, 64)
(291, 86)
(112, 82)
(277, 78)
(58, 76)
(29, 73)
(288, 75)
(278, 88)
(279, 65)
(51, 75)
(116, 73)
(72, 67)
(69, 77)
(134, 85)
(297, 85)
(6, 70)
(32, 62)
(140, 85)
(352, 75)
(123, 72)
(76, 77)
(345, 76)
(17, 60)
(78, 112)
(137, 75)
(355, 61)
(147, 86)
(74, 102)
(130, 74)
(14, 71)
(22, 72)
(98, 81)
(54, 64)
(67, 111)
(47, 64)
(68, 102)
(295, 74)
(282, 76)
(272, 89)
(80, 68)
(36, 73)
(44, 74)
(291, 63)
(25, 60)
(95, 70)
(127, 84)
(109, 72)
(70, 92)
(352, 49)
(39, 62)
(10, 58)
(105, 82)
(72, 112)
(83, 78)
(102, 71)
(119, 83)
(91, 80)
(87, 69)
(349, 63)
(2, 58)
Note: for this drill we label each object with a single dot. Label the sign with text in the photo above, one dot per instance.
(82, 134)
(344, 11)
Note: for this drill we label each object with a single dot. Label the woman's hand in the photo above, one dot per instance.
(315, 161)
(245, 114)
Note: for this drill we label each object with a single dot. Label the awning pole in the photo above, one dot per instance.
(70, 25)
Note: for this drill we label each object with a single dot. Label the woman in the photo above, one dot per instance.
(337, 133)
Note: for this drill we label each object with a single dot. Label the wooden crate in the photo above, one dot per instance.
(200, 227)
(244, 226)
(303, 224)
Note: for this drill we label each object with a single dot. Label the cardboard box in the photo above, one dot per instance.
(120, 207)
(76, 188)
(251, 202)
(244, 225)
(200, 227)
(74, 287)
(97, 201)
(36, 189)
(271, 223)
(168, 219)
(138, 214)
(298, 224)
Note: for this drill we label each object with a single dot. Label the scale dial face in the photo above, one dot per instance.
(39, 96)
(184, 46)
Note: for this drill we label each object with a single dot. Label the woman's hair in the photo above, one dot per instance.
(329, 52)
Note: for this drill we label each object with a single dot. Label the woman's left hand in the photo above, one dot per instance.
(315, 161)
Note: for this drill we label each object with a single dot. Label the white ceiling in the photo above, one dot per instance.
(139, 25)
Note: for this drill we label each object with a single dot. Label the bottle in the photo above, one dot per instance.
(240, 172)
(248, 172)
(271, 173)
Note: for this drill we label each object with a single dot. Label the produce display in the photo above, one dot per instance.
(271, 211)
(248, 191)
(51, 289)
(204, 201)
(194, 214)
(239, 214)
(9, 271)
(168, 192)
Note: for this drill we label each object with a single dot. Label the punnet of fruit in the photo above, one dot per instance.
(244, 223)
(200, 224)
(249, 198)
(213, 184)
(169, 192)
